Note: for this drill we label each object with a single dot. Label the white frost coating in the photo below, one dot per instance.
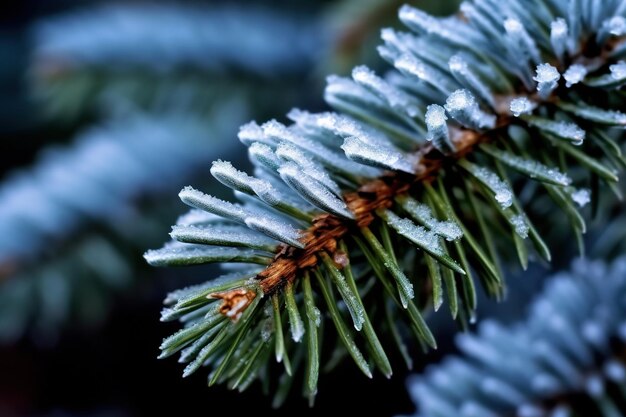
(559, 36)
(565, 130)
(547, 78)
(278, 131)
(618, 71)
(269, 194)
(224, 172)
(296, 328)
(546, 73)
(264, 155)
(313, 191)
(460, 100)
(513, 25)
(558, 28)
(326, 156)
(267, 329)
(222, 235)
(438, 132)
(460, 69)
(571, 130)
(521, 105)
(422, 213)
(252, 132)
(378, 156)
(616, 25)
(198, 199)
(345, 126)
(396, 98)
(457, 63)
(418, 234)
(516, 31)
(288, 152)
(449, 30)
(435, 116)
(533, 356)
(183, 253)
(276, 229)
(503, 194)
(419, 19)
(241, 182)
(317, 316)
(535, 169)
(411, 65)
(582, 197)
(574, 74)
(342, 88)
(462, 106)
(520, 225)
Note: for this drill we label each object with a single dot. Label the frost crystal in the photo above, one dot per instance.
(559, 36)
(275, 229)
(435, 116)
(513, 25)
(413, 66)
(547, 78)
(459, 100)
(616, 25)
(571, 130)
(581, 197)
(565, 130)
(313, 191)
(263, 155)
(456, 63)
(198, 199)
(618, 71)
(462, 106)
(523, 42)
(291, 153)
(345, 126)
(520, 225)
(252, 132)
(521, 105)
(228, 175)
(558, 28)
(378, 156)
(503, 194)
(437, 128)
(417, 234)
(396, 98)
(461, 71)
(574, 74)
(423, 214)
(222, 235)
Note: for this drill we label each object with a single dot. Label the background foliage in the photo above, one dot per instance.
(77, 307)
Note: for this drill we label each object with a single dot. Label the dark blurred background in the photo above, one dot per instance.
(106, 110)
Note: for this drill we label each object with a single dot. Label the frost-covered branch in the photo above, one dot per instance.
(565, 359)
(438, 165)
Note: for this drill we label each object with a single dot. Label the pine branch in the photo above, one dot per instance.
(566, 358)
(446, 154)
(127, 36)
(65, 218)
(76, 284)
